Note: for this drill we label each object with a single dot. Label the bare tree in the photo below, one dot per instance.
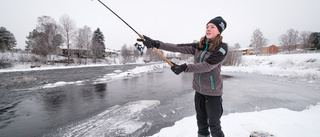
(125, 53)
(304, 39)
(289, 40)
(83, 42)
(136, 52)
(258, 40)
(148, 55)
(237, 46)
(48, 36)
(80, 45)
(87, 40)
(234, 56)
(152, 55)
(68, 31)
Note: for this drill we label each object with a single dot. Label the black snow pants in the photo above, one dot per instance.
(209, 111)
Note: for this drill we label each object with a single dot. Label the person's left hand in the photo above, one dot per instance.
(149, 43)
(177, 69)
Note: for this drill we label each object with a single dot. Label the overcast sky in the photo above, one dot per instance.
(174, 21)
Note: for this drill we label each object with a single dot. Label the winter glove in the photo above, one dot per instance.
(177, 69)
(149, 43)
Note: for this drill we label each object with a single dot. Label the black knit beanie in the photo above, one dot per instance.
(219, 22)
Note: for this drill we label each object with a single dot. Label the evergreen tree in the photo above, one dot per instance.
(33, 42)
(315, 39)
(7, 40)
(98, 46)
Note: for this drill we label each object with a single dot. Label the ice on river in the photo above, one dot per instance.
(118, 74)
(119, 120)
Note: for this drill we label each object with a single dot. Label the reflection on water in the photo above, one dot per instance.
(101, 87)
(53, 100)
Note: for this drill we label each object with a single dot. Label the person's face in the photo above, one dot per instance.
(211, 31)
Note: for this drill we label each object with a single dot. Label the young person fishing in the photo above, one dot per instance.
(209, 55)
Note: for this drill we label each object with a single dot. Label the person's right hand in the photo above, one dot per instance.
(149, 43)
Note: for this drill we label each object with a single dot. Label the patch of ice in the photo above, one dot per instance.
(119, 120)
(117, 71)
(130, 73)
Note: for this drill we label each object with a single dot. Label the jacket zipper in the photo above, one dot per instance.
(200, 62)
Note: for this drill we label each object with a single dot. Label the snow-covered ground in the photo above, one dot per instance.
(292, 66)
(280, 122)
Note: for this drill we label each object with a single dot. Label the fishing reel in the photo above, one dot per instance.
(140, 48)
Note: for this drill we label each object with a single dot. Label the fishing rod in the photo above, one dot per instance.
(141, 36)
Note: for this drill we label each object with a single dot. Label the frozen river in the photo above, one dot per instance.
(135, 106)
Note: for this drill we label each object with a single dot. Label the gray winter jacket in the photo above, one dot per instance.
(206, 68)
